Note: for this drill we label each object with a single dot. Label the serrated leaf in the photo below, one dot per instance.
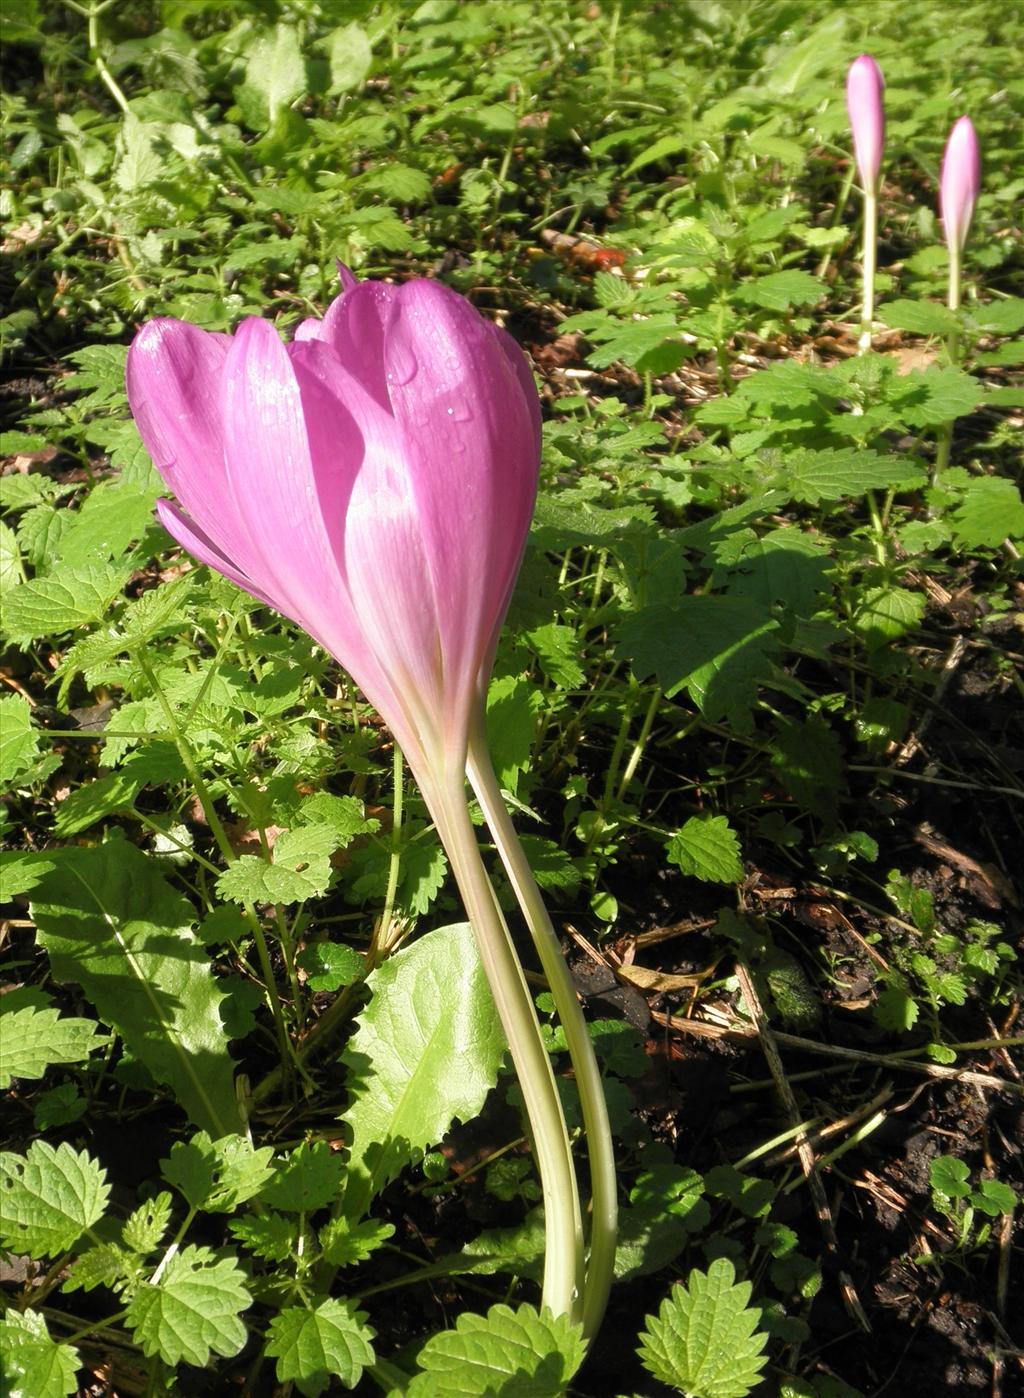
(108, 1265)
(145, 1226)
(558, 650)
(942, 395)
(885, 613)
(115, 791)
(513, 706)
(33, 1039)
(300, 868)
(48, 1198)
(707, 848)
(110, 922)
(193, 1310)
(345, 1243)
(505, 1354)
(705, 1339)
(34, 1365)
(307, 1179)
(66, 599)
(780, 291)
(314, 1345)
(402, 183)
(271, 1236)
(809, 760)
(896, 1010)
(990, 511)
(111, 518)
(426, 1052)
(19, 741)
(813, 476)
(919, 317)
(330, 965)
(217, 1176)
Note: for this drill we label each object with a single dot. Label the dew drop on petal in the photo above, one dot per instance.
(402, 366)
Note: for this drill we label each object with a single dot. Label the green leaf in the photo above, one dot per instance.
(344, 1243)
(993, 1197)
(300, 868)
(919, 317)
(425, 1054)
(66, 599)
(108, 1265)
(780, 291)
(705, 1339)
(349, 55)
(193, 1310)
(896, 1010)
(271, 1236)
(110, 922)
(112, 517)
(312, 1346)
(145, 1226)
(402, 183)
(33, 1039)
(885, 613)
(808, 758)
(949, 1176)
(307, 1179)
(275, 71)
(34, 1365)
(330, 965)
(217, 1176)
(990, 511)
(513, 706)
(558, 650)
(707, 849)
(813, 476)
(504, 1354)
(48, 1198)
(115, 791)
(942, 394)
(19, 741)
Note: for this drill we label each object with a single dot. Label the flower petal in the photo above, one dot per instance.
(470, 436)
(354, 328)
(189, 535)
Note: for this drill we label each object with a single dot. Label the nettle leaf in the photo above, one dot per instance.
(34, 1365)
(19, 741)
(885, 613)
(96, 800)
(558, 650)
(813, 476)
(896, 1010)
(108, 1265)
(705, 1339)
(349, 55)
(780, 291)
(809, 760)
(513, 705)
(33, 1039)
(307, 1179)
(518, 1354)
(707, 848)
(48, 1198)
(919, 317)
(145, 1226)
(300, 868)
(990, 511)
(217, 1176)
(426, 1053)
(110, 922)
(313, 1345)
(62, 601)
(942, 394)
(344, 1243)
(193, 1310)
(271, 1236)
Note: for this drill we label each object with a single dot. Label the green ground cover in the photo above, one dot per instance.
(757, 711)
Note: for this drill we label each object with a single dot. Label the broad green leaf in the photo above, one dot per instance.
(707, 849)
(345, 1243)
(110, 922)
(919, 317)
(949, 1176)
(11, 570)
(780, 291)
(300, 868)
(66, 599)
(217, 1176)
(504, 1354)
(307, 1179)
(34, 1039)
(48, 1198)
(111, 518)
(990, 511)
(193, 1310)
(813, 476)
(1002, 317)
(33, 1364)
(19, 741)
(349, 55)
(939, 395)
(885, 613)
(896, 1010)
(425, 1054)
(705, 1339)
(106, 795)
(314, 1345)
(275, 70)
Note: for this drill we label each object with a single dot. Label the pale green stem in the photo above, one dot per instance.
(604, 1199)
(867, 314)
(382, 936)
(944, 440)
(641, 743)
(563, 1225)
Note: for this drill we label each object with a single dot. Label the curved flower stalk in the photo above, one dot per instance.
(959, 183)
(864, 88)
(374, 481)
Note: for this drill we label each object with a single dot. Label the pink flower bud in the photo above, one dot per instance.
(961, 179)
(864, 88)
(373, 480)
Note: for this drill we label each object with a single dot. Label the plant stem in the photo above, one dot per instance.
(382, 937)
(604, 1200)
(867, 314)
(563, 1225)
(944, 438)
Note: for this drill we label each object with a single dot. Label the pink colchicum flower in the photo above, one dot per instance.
(374, 481)
(864, 88)
(960, 182)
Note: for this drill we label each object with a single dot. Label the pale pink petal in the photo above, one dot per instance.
(189, 535)
(309, 329)
(354, 328)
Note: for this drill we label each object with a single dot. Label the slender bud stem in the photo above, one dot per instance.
(604, 1202)
(944, 437)
(563, 1225)
(867, 314)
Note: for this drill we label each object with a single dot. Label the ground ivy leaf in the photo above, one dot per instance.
(48, 1198)
(705, 1339)
(34, 1365)
(109, 920)
(193, 1310)
(707, 848)
(217, 1176)
(313, 1346)
(425, 1054)
(519, 1354)
(33, 1039)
